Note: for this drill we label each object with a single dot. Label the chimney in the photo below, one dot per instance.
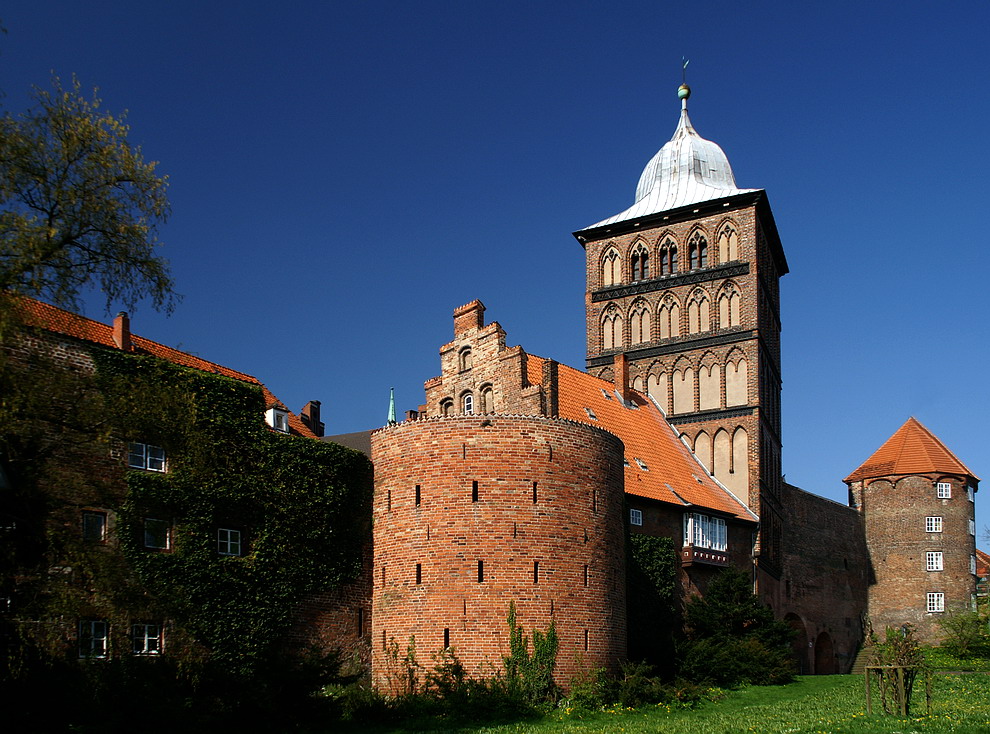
(469, 316)
(310, 415)
(412, 415)
(620, 369)
(122, 331)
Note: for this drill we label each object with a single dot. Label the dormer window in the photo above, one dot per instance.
(278, 419)
(145, 456)
(642, 464)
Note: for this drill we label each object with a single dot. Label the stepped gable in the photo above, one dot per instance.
(913, 449)
(59, 321)
(673, 474)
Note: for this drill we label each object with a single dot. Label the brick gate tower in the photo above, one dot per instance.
(684, 285)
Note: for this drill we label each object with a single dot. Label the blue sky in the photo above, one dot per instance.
(343, 175)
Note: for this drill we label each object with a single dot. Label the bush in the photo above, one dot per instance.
(966, 634)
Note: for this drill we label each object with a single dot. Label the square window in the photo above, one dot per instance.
(228, 542)
(933, 525)
(933, 561)
(145, 456)
(93, 635)
(943, 490)
(935, 601)
(94, 526)
(146, 638)
(635, 517)
(157, 534)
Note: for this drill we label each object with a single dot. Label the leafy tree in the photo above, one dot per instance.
(733, 637)
(79, 206)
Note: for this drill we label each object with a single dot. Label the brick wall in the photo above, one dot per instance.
(574, 524)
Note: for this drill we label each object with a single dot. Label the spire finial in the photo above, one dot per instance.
(684, 91)
(391, 406)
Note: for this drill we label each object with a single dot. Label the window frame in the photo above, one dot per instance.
(934, 561)
(167, 536)
(140, 633)
(103, 526)
(935, 602)
(143, 459)
(943, 490)
(97, 645)
(467, 403)
(229, 542)
(933, 524)
(635, 516)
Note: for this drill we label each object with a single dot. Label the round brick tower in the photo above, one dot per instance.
(474, 512)
(917, 501)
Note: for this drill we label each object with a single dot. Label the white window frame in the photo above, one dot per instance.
(635, 516)
(943, 490)
(467, 403)
(934, 561)
(703, 531)
(228, 541)
(94, 638)
(972, 527)
(971, 494)
(720, 534)
(933, 524)
(150, 537)
(935, 602)
(972, 564)
(146, 456)
(146, 638)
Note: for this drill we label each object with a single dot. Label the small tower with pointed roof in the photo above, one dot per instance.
(917, 501)
(684, 284)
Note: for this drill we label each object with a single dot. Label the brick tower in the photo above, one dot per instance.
(684, 283)
(917, 501)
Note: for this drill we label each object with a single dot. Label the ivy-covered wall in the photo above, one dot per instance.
(301, 506)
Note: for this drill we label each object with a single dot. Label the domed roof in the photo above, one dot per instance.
(687, 170)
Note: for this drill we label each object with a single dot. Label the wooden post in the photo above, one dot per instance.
(899, 674)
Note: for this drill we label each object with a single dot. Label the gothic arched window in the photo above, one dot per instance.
(640, 263)
(698, 251)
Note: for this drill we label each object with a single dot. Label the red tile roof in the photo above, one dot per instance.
(673, 474)
(982, 564)
(913, 449)
(50, 318)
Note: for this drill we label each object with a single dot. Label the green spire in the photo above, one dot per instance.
(391, 406)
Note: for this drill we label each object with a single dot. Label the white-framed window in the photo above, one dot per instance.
(943, 490)
(933, 561)
(157, 534)
(635, 517)
(933, 525)
(228, 542)
(94, 526)
(93, 637)
(468, 402)
(146, 638)
(972, 564)
(278, 419)
(971, 494)
(145, 456)
(705, 532)
(972, 527)
(935, 601)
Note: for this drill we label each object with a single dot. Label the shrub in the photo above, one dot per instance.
(965, 634)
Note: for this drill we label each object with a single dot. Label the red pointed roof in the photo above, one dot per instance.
(982, 564)
(913, 449)
(672, 472)
(51, 318)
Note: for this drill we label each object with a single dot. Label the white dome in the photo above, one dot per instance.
(687, 170)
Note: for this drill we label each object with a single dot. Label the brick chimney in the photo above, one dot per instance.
(122, 331)
(469, 316)
(310, 415)
(620, 370)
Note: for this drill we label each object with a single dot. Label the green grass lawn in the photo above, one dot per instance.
(835, 703)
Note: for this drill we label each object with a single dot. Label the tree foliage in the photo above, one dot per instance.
(79, 206)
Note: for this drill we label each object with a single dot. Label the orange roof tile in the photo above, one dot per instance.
(913, 449)
(673, 474)
(51, 318)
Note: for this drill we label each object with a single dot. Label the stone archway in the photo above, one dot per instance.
(800, 642)
(824, 655)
